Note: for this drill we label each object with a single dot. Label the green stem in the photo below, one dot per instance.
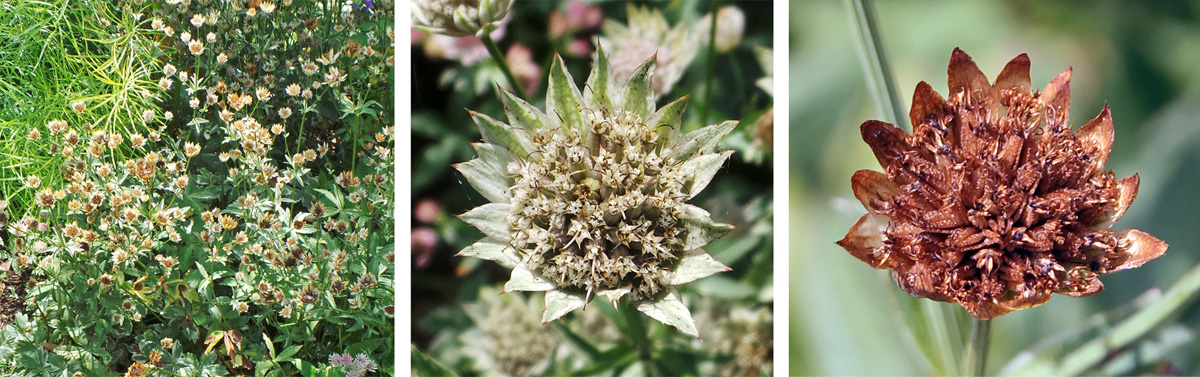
(712, 63)
(883, 84)
(975, 355)
(503, 63)
(637, 322)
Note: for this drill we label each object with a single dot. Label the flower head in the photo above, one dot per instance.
(993, 203)
(590, 196)
(731, 24)
(648, 35)
(459, 17)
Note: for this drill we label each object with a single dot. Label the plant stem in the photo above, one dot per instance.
(712, 62)
(975, 354)
(500, 61)
(882, 83)
(638, 323)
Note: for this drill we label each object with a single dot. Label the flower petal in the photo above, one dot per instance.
(1057, 100)
(696, 264)
(1083, 286)
(699, 229)
(559, 303)
(886, 140)
(495, 132)
(522, 279)
(639, 92)
(563, 101)
(490, 219)
(1097, 138)
(490, 249)
(598, 93)
(670, 310)
(1127, 190)
(1015, 76)
(704, 167)
(927, 106)
(488, 174)
(520, 113)
(965, 76)
(1138, 247)
(701, 140)
(870, 186)
(865, 238)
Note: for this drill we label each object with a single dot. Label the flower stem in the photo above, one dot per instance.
(637, 322)
(882, 83)
(712, 63)
(975, 354)
(503, 63)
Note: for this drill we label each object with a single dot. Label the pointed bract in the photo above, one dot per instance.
(695, 265)
(671, 310)
(559, 303)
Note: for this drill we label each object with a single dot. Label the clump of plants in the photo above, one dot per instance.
(249, 232)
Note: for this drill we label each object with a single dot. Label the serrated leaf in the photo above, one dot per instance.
(563, 102)
(522, 279)
(702, 140)
(490, 219)
(521, 113)
(639, 93)
(699, 228)
(492, 250)
(559, 303)
(704, 167)
(696, 264)
(670, 310)
(599, 88)
(495, 132)
(488, 174)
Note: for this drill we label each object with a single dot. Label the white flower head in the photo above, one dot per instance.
(589, 197)
(459, 17)
(648, 35)
(731, 24)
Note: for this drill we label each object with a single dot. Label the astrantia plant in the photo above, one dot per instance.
(648, 34)
(459, 17)
(993, 203)
(590, 197)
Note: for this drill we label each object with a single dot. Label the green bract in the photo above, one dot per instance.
(459, 17)
(589, 197)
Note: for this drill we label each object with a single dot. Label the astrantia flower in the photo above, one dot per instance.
(648, 35)
(993, 203)
(459, 17)
(731, 24)
(590, 196)
(507, 336)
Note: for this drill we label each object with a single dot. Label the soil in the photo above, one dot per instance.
(12, 296)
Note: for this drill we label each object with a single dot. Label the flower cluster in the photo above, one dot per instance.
(646, 35)
(589, 197)
(993, 202)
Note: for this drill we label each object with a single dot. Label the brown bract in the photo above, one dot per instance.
(993, 202)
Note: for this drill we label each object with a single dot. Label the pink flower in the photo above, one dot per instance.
(527, 72)
(579, 16)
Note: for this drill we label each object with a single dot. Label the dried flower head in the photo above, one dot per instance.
(459, 17)
(993, 203)
(590, 196)
(648, 35)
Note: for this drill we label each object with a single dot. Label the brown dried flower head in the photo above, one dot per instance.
(993, 203)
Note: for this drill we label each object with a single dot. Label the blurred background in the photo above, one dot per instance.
(1141, 60)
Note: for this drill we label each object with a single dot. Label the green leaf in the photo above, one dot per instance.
(702, 140)
(579, 342)
(563, 102)
(704, 167)
(490, 219)
(559, 303)
(495, 132)
(488, 174)
(670, 310)
(426, 366)
(699, 228)
(639, 93)
(695, 264)
(522, 279)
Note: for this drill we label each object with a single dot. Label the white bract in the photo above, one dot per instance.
(589, 197)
